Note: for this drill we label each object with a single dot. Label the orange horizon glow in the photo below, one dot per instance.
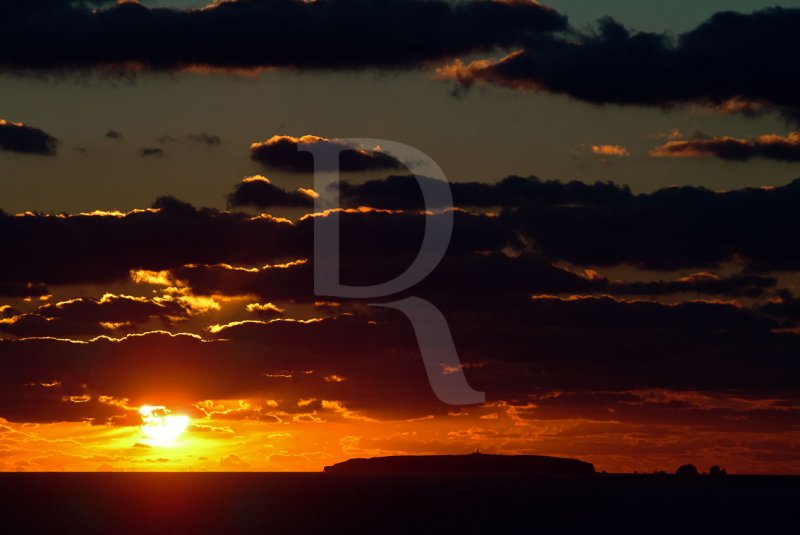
(309, 434)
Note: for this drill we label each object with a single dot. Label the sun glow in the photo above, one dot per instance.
(160, 427)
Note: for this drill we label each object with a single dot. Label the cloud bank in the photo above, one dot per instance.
(251, 34)
(732, 61)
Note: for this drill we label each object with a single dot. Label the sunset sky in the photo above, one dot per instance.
(622, 281)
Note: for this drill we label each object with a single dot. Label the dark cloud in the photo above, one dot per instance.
(374, 259)
(246, 34)
(666, 407)
(458, 280)
(733, 60)
(18, 137)
(87, 316)
(671, 228)
(22, 289)
(113, 134)
(151, 152)
(770, 147)
(259, 192)
(293, 282)
(401, 192)
(523, 348)
(740, 285)
(26, 9)
(540, 222)
(201, 138)
(606, 224)
(609, 313)
(589, 225)
(84, 249)
(99, 248)
(785, 306)
(281, 152)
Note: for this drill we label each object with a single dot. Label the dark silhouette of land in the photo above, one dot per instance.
(475, 463)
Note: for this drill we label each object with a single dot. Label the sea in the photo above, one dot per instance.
(293, 503)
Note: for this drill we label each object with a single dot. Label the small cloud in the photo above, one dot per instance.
(113, 134)
(292, 154)
(334, 378)
(19, 137)
(602, 151)
(258, 191)
(610, 150)
(201, 138)
(151, 152)
(265, 311)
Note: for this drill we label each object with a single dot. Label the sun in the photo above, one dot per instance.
(160, 427)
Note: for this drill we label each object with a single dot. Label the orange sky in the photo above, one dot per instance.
(622, 283)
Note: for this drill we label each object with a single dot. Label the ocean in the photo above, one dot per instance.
(293, 503)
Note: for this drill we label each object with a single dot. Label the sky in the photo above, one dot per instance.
(484, 135)
(621, 283)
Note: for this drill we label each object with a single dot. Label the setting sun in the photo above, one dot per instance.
(160, 427)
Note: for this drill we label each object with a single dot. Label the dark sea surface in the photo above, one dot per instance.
(326, 503)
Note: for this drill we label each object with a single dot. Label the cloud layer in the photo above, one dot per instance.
(252, 34)
(734, 61)
(606, 224)
(589, 225)
(215, 315)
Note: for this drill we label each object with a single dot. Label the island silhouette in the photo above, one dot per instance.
(474, 463)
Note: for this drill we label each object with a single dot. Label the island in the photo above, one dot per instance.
(474, 463)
